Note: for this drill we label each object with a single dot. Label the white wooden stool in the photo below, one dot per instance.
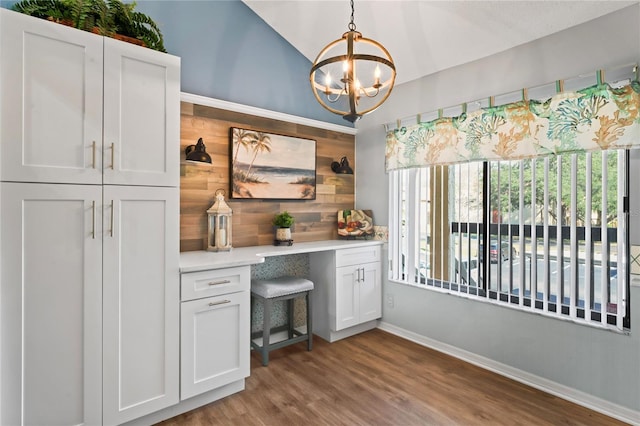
(272, 290)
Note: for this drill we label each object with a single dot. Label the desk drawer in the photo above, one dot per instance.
(357, 256)
(195, 285)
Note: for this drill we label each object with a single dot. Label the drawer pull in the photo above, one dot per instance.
(222, 302)
(219, 282)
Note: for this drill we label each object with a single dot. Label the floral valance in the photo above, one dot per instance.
(596, 118)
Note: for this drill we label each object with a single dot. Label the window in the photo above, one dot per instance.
(548, 235)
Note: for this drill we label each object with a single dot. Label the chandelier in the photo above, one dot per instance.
(353, 75)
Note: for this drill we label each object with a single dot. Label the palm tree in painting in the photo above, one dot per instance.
(262, 144)
(243, 138)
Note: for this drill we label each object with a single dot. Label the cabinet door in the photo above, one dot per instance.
(51, 304)
(51, 104)
(215, 342)
(370, 289)
(346, 298)
(141, 116)
(141, 301)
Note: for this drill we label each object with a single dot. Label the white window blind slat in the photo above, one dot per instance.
(533, 262)
(621, 270)
(574, 257)
(604, 251)
(588, 244)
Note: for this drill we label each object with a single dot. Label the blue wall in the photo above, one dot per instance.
(229, 53)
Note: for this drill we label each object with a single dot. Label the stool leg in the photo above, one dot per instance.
(309, 322)
(266, 331)
(290, 314)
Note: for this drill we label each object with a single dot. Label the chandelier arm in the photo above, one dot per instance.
(375, 93)
(338, 95)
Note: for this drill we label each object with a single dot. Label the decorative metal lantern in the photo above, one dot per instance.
(219, 233)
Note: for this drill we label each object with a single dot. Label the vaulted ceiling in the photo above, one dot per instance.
(425, 37)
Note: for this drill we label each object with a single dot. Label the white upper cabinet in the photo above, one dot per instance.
(141, 116)
(79, 104)
(51, 106)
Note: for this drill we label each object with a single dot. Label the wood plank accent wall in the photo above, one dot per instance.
(316, 220)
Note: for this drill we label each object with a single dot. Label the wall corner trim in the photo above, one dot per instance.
(260, 112)
(561, 391)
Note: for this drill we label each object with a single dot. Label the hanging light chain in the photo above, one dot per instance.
(352, 25)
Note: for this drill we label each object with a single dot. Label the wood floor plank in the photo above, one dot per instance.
(376, 378)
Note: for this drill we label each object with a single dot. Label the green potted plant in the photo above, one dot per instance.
(111, 18)
(283, 222)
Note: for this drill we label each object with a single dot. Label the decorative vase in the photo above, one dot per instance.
(283, 234)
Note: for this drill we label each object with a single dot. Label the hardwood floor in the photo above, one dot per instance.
(376, 378)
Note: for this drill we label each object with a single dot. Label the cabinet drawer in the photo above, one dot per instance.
(357, 256)
(196, 285)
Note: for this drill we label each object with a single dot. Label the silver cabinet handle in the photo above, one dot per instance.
(358, 279)
(362, 274)
(113, 156)
(111, 221)
(93, 154)
(222, 302)
(219, 282)
(93, 220)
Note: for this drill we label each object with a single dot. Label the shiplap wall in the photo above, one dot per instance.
(315, 219)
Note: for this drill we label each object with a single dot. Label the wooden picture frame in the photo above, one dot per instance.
(270, 166)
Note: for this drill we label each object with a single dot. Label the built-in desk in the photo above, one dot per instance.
(194, 261)
(347, 275)
(215, 306)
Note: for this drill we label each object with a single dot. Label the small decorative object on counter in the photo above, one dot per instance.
(283, 222)
(355, 223)
(219, 233)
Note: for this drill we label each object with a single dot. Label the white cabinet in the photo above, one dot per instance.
(348, 291)
(51, 104)
(358, 294)
(215, 329)
(52, 80)
(51, 311)
(141, 301)
(89, 290)
(89, 293)
(141, 116)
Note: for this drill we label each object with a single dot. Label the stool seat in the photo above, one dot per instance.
(281, 286)
(269, 291)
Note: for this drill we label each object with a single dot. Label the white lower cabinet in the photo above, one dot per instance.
(140, 301)
(214, 329)
(348, 291)
(89, 303)
(358, 295)
(51, 305)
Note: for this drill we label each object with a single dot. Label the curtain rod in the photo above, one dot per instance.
(599, 74)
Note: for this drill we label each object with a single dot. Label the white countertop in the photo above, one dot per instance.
(194, 261)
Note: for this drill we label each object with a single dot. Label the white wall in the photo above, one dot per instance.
(593, 362)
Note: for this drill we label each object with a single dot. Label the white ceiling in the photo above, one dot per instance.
(425, 36)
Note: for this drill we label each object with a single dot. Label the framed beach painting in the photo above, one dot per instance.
(268, 166)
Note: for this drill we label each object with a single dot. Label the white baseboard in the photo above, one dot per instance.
(581, 398)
